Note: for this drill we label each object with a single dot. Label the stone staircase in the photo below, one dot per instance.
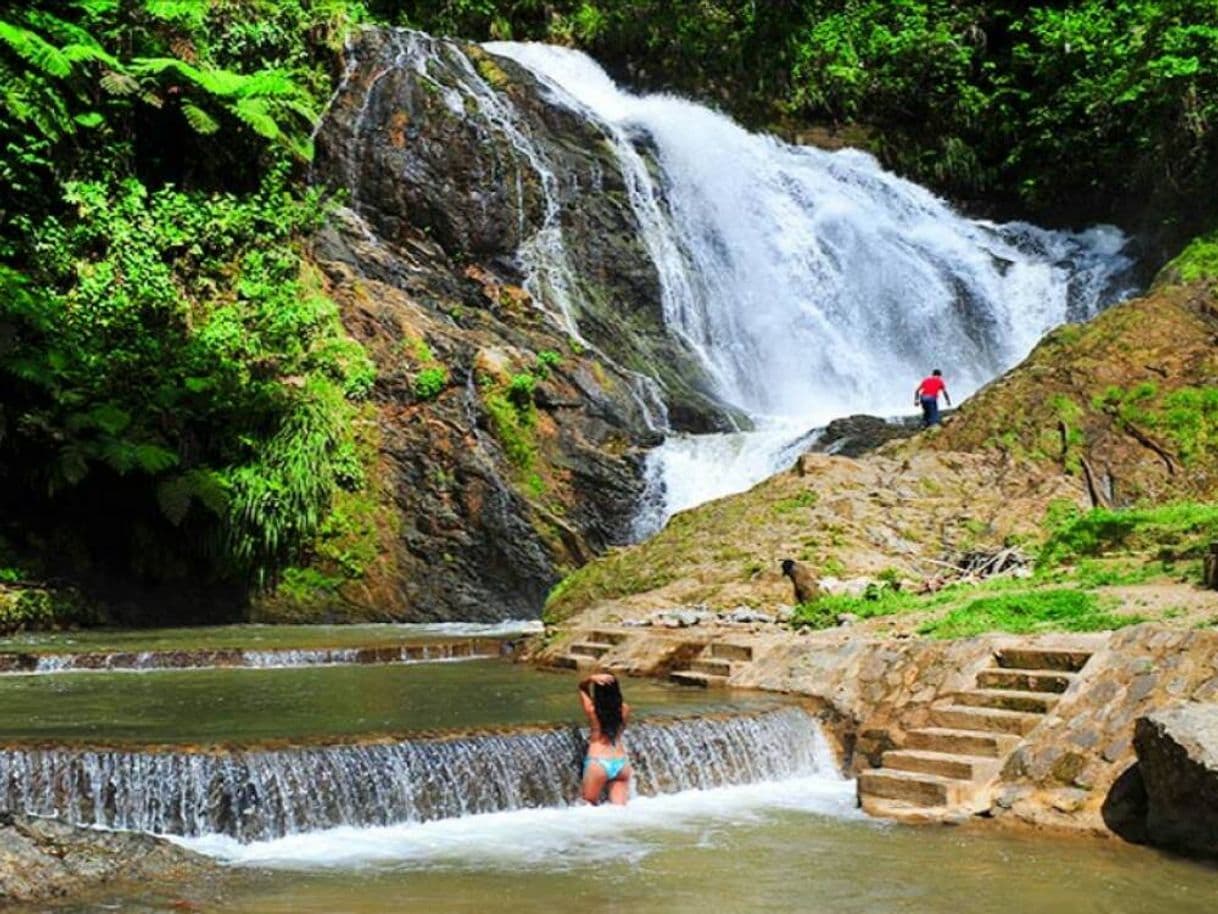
(590, 647)
(948, 768)
(713, 667)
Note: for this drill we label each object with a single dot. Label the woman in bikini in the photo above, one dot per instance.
(606, 764)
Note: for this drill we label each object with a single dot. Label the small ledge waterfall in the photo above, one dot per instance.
(253, 794)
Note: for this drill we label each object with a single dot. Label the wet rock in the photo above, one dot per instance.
(42, 859)
(1178, 756)
(488, 162)
(854, 436)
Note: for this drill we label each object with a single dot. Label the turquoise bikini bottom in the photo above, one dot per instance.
(613, 766)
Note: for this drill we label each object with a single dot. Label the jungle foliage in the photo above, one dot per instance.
(177, 394)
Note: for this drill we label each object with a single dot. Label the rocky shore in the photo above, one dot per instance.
(42, 860)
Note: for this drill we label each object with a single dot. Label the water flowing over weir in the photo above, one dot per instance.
(234, 658)
(793, 285)
(261, 794)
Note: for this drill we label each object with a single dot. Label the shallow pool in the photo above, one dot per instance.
(795, 846)
(309, 704)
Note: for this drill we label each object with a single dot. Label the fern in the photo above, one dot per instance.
(33, 49)
(199, 120)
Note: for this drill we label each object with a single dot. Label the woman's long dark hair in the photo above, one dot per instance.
(607, 699)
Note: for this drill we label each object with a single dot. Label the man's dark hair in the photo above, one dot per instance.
(937, 373)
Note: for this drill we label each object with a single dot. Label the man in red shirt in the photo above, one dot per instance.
(927, 395)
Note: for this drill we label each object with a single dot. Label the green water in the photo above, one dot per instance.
(250, 637)
(780, 863)
(316, 703)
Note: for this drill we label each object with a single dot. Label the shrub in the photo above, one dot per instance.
(1179, 530)
(430, 382)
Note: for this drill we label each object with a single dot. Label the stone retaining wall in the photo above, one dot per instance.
(1073, 771)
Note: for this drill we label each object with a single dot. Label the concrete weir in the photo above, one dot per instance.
(270, 658)
(1030, 729)
(256, 793)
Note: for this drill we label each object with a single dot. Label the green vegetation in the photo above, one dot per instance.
(1176, 531)
(1187, 417)
(179, 396)
(805, 499)
(547, 361)
(1026, 613)
(962, 611)
(878, 601)
(1197, 262)
(513, 417)
(430, 382)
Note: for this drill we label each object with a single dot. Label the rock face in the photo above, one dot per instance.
(41, 859)
(1178, 756)
(488, 259)
(436, 137)
(487, 496)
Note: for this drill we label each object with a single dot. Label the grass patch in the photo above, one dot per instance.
(878, 601)
(1058, 610)
(806, 499)
(1174, 531)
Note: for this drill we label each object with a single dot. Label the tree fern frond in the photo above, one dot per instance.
(36, 50)
(255, 114)
(84, 53)
(200, 121)
(152, 458)
(116, 82)
(187, 12)
(174, 495)
(270, 84)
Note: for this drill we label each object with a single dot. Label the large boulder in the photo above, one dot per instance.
(1178, 755)
(43, 859)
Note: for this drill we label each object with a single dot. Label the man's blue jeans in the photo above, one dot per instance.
(930, 411)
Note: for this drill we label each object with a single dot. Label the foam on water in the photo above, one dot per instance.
(539, 838)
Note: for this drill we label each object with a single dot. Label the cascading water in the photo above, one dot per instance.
(272, 658)
(814, 284)
(260, 794)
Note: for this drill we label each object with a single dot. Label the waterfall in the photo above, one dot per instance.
(252, 794)
(814, 284)
(748, 277)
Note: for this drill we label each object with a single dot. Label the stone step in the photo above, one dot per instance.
(589, 649)
(702, 680)
(961, 717)
(911, 787)
(961, 742)
(1025, 680)
(601, 636)
(565, 662)
(961, 767)
(724, 651)
(714, 667)
(1009, 700)
(1035, 658)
